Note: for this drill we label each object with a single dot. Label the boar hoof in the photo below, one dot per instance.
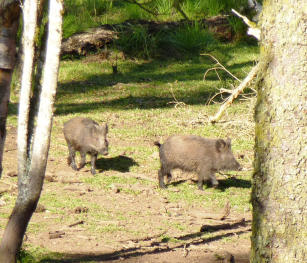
(73, 166)
(215, 185)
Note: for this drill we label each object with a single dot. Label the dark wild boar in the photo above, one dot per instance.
(195, 154)
(85, 136)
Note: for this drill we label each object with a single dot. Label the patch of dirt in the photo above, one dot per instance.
(142, 227)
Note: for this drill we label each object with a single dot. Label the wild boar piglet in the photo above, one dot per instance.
(87, 137)
(193, 153)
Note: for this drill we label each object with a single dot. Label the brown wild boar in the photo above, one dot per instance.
(195, 154)
(86, 136)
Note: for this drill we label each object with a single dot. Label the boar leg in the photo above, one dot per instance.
(200, 183)
(168, 178)
(83, 156)
(162, 172)
(93, 163)
(213, 180)
(71, 158)
(203, 174)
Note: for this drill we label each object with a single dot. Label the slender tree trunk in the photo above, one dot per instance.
(32, 171)
(29, 20)
(9, 21)
(279, 197)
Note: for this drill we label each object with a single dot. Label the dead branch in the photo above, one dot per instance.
(176, 102)
(235, 93)
(142, 7)
(209, 228)
(253, 30)
(185, 250)
(226, 211)
(76, 223)
(220, 66)
(56, 234)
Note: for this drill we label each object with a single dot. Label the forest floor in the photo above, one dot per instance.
(137, 222)
(120, 214)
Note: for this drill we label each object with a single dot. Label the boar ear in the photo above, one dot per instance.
(220, 145)
(228, 142)
(105, 127)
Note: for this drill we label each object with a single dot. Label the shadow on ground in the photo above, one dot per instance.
(194, 239)
(119, 163)
(223, 184)
(147, 73)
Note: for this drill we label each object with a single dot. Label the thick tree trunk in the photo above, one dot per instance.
(279, 182)
(31, 173)
(9, 21)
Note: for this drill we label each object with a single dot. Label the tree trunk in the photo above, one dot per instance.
(32, 171)
(9, 21)
(279, 198)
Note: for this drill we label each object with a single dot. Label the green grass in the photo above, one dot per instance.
(83, 14)
(190, 39)
(236, 191)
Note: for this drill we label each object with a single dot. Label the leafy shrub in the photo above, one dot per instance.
(212, 7)
(83, 14)
(192, 38)
(163, 8)
(136, 41)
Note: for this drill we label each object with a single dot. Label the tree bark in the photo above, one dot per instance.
(279, 198)
(9, 21)
(31, 173)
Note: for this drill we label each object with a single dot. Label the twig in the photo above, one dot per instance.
(220, 67)
(176, 102)
(226, 211)
(56, 234)
(176, 5)
(208, 228)
(77, 223)
(10, 150)
(141, 6)
(235, 93)
(185, 250)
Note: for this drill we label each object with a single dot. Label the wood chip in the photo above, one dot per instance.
(56, 234)
(77, 223)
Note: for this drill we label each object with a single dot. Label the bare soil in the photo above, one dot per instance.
(138, 237)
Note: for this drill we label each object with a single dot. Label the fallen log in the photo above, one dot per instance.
(97, 38)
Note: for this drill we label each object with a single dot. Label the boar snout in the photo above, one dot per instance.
(104, 152)
(236, 166)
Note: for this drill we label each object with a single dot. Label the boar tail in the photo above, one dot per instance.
(157, 144)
